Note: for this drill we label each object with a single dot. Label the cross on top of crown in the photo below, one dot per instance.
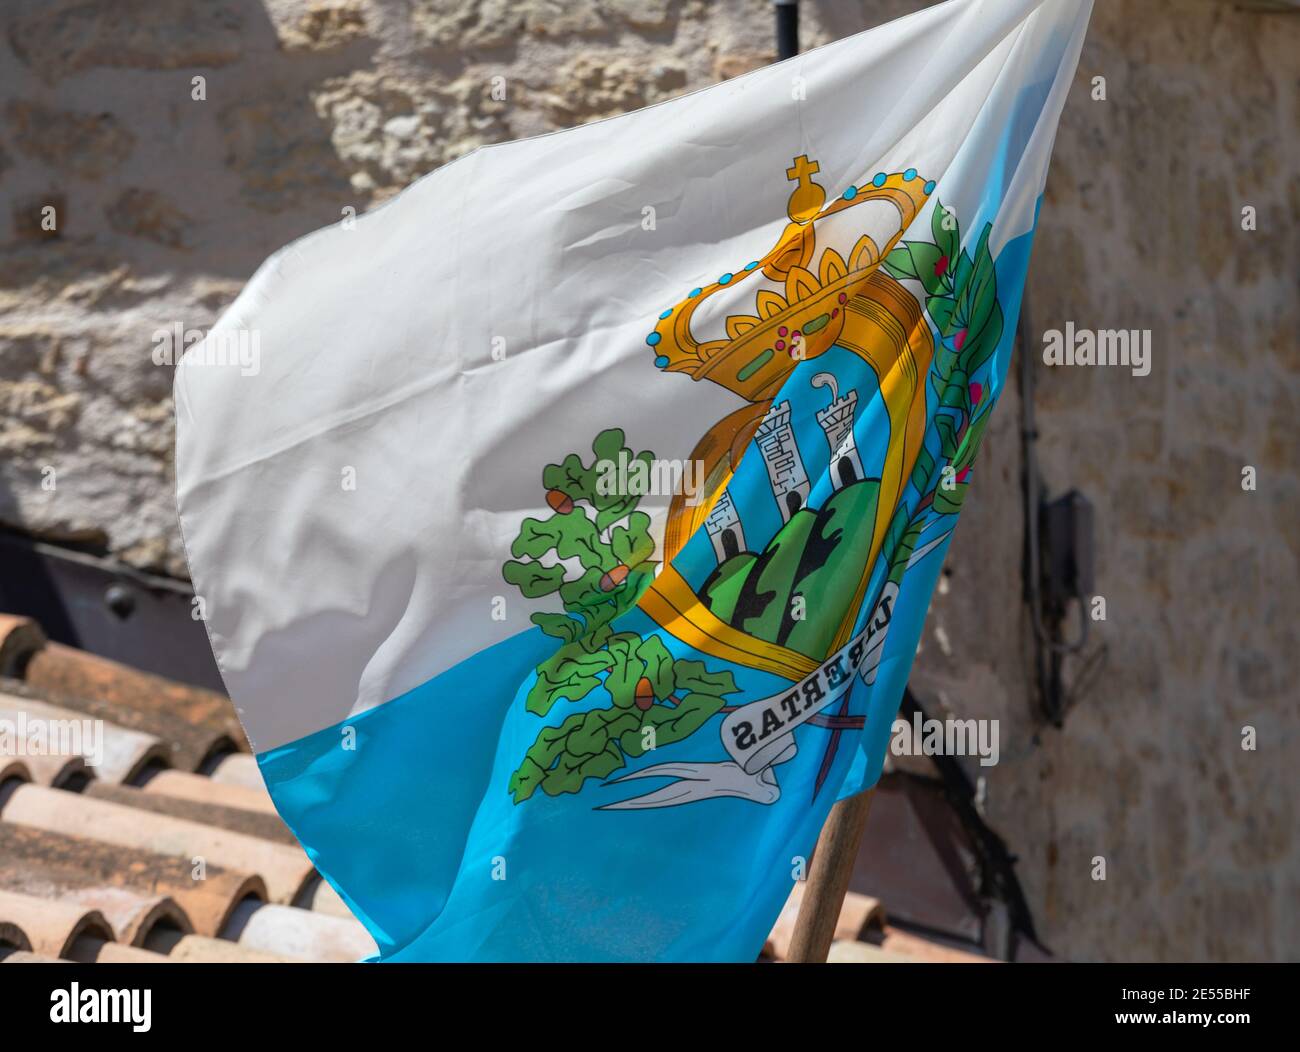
(803, 169)
(807, 198)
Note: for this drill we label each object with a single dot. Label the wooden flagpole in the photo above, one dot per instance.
(828, 879)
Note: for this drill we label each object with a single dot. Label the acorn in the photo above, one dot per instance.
(645, 694)
(615, 577)
(559, 501)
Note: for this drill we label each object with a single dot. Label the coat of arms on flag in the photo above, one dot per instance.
(785, 601)
(520, 698)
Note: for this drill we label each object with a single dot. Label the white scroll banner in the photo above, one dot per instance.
(760, 735)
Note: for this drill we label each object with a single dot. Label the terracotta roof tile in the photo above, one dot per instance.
(51, 927)
(26, 957)
(299, 933)
(20, 638)
(237, 769)
(186, 747)
(234, 819)
(185, 786)
(194, 720)
(199, 949)
(93, 949)
(61, 670)
(324, 899)
(12, 937)
(133, 917)
(849, 951)
(208, 903)
(60, 771)
(98, 864)
(13, 768)
(126, 754)
(287, 871)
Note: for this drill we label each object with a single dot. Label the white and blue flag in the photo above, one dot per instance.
(566, 552)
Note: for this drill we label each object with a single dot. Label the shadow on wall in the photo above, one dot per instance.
(203, 151)
(152, 154)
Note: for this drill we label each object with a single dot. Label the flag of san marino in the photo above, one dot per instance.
(566, 552)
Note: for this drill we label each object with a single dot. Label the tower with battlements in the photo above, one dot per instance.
(775, 438)
(837, 422)
(724, 528)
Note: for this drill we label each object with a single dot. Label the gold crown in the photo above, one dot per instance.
(761, 349)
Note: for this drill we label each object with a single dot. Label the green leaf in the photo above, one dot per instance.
(976, 354)
(577, 538)
(561, 757)
(568, 775)
(614, 507)
(590, 737)
(947, 435)
(558, 625)
(614, 459)
(948, 240)
(672, 723)
(940, 309)
(897, 528)
(955, 394)
(632, 544)
(525, 780)
(550, 743)
(970, 444)
(609, 444)
(569, 673)
(949, 502)
(630, 741)
(922, 469)
(658, 665)
(623, 678)
(570, 477)
(537, 537)
(596, 638)
(983, 301)
(903, 551)
(581, 481)
(961, 277)
(692, 677)
(925, 257)
(583, 593)
(899, 263)
(533, 579)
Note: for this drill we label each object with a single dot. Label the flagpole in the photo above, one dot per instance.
(787, 28)
(828, 879)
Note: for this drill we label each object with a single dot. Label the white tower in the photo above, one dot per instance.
(785, 467)
(837, 421)
(724, 528)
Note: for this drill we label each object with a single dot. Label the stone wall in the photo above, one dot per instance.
(165, 204)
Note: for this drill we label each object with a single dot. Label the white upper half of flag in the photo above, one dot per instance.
(376, 342)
